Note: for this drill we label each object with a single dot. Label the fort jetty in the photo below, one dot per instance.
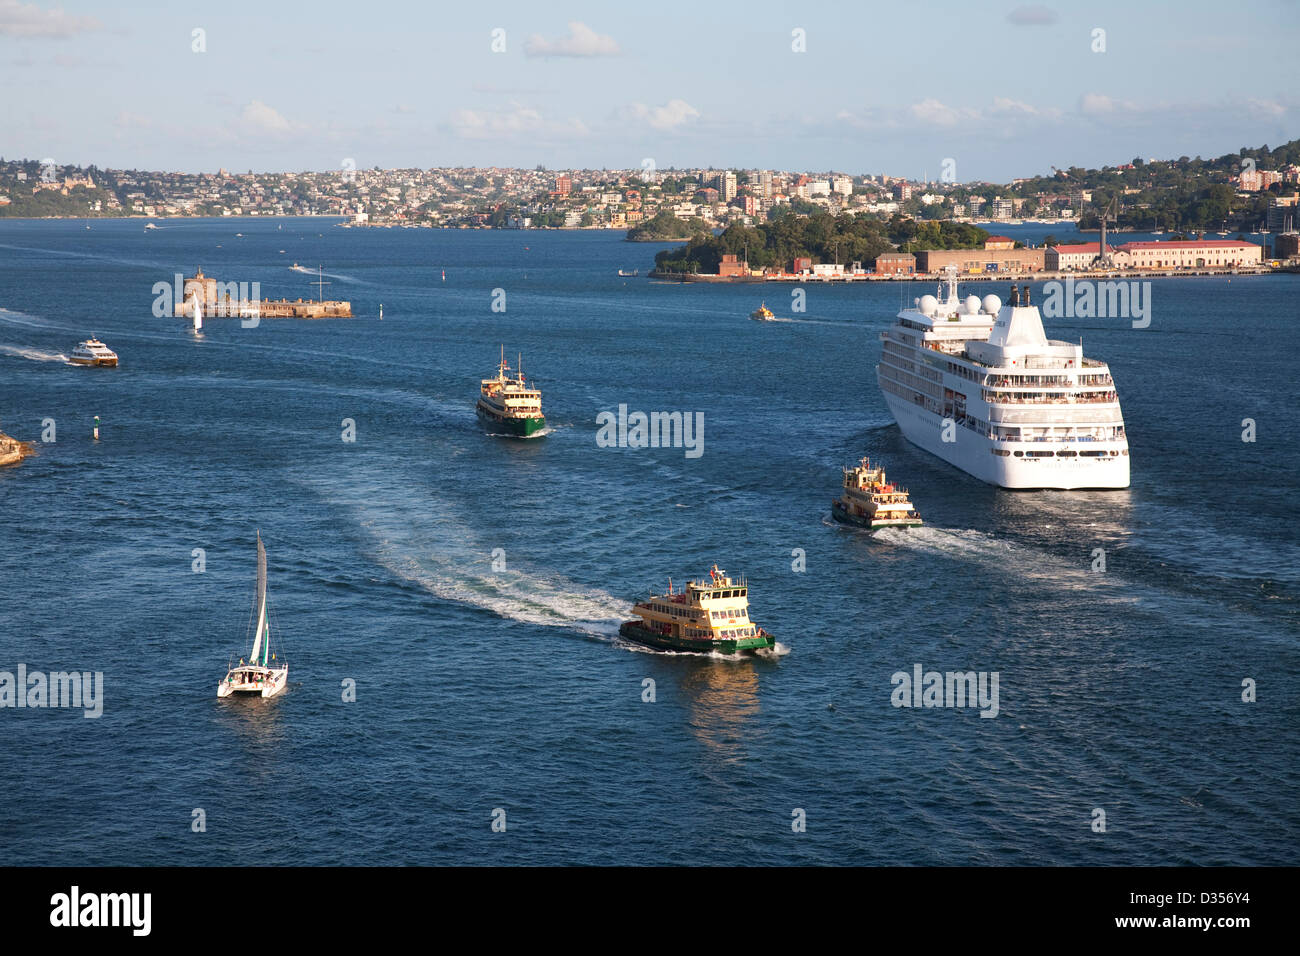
(243, 300)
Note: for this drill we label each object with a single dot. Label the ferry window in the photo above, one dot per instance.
(744, 591)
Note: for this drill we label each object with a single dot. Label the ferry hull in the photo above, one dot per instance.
(844, 516)
(94, 363)
(973, 454)
(521, 427)
(633, 631)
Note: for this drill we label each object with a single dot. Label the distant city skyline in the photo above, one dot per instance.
(1004, 90)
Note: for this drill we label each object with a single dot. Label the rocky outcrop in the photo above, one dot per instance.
(12, 451)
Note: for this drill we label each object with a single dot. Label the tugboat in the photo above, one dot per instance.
(93, 352)
(871, 501)
(762, 314)
(705, 616)
(508, 403)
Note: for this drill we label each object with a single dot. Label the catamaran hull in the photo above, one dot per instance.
(269, 688)
(974, 454)
(94, 363)
(520, 427)
(666, 642)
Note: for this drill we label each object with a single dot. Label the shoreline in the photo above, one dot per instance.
(971, 277)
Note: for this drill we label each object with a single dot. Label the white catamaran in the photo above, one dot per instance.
(258, 679)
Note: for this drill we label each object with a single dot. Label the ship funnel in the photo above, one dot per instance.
(1015, 295)
(1026, 295)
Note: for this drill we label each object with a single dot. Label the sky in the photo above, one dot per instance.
(984, 90)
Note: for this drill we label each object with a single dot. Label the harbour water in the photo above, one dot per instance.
(472, 586)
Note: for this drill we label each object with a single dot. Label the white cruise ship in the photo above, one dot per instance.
(979, 384)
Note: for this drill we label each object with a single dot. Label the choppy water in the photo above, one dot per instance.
(479, 689)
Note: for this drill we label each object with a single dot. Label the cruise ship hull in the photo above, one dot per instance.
(521, 427)
(633, 631)
(973, 454)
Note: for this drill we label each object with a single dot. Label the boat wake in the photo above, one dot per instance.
(433, 551)
(531, 598)
(35, 355)
(9, 317)
(984, 548)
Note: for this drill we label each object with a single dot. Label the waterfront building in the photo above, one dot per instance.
(1195, 254)
(896, 263)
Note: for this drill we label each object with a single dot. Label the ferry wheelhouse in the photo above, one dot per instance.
(872, 501)
(509, 404)
(706, 616)
(978, 384)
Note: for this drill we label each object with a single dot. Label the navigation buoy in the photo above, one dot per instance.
(381, 311)
(96, 428)
(444, 275)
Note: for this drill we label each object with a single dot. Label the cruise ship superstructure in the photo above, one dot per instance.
(979, 384)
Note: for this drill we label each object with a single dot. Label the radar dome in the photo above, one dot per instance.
(992, 304)
(972, 304)
(929, 305)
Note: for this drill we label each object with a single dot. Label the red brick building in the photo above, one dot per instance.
(732, 266)
(895, 264)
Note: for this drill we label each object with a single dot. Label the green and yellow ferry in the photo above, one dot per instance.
(706, 616)
(508, 404)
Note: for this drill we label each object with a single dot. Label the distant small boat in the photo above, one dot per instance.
(198, 315)
(627, 275)
(254, 679)
(762, 314)
(93, 352)
(147, 226)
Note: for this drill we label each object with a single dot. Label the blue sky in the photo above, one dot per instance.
(1003, 89)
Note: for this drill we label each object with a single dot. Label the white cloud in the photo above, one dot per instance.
(1265, 109)
(126, 120)
(581, 41)
(1034, 15)
(515, 121)
(28, 20)
(1095, 104)
(669, 116)
(257, 117)
(933, 113)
